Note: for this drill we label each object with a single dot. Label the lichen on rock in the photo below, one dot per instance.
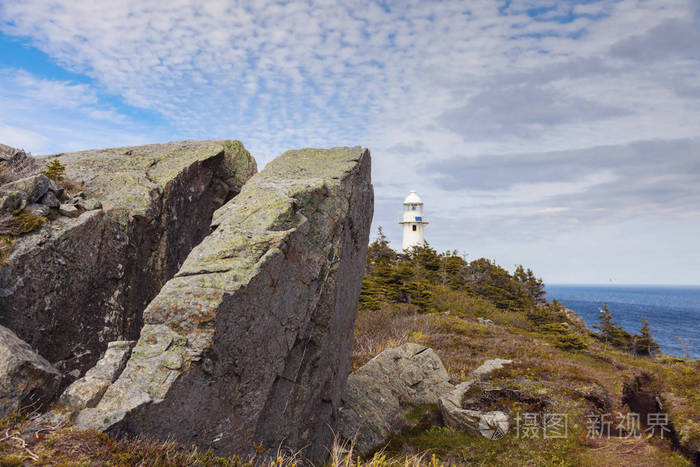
(251, 340)
(83, 279)
(380, 392)
(27, 380)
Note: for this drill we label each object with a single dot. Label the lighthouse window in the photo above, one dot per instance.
(414, 228)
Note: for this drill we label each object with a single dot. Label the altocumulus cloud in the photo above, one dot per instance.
(510, 117)
(650, 178)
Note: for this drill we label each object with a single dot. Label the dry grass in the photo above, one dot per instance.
(630, 453)
(7, 244)
(71, 447)
(21, 165)
(572, 382)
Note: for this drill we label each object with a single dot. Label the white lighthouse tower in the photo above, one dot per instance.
(412, 221)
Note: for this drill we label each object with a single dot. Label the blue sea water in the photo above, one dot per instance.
(673, 311)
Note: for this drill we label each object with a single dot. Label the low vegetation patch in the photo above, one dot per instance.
(444, 302)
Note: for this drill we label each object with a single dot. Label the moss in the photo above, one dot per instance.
(423, 414)
(13, 460)
(7, 245)
(26, 222)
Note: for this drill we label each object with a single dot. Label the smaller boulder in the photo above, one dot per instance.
(490, 366)
(88, 204)
(68, 210)
(32, 188)
(491, 425)
(11, 200)
(88, 390)
(378, 393)
(485, 321)
(578, 322)
(27, 380)
(6, 152)
(38, 210)
(50, 200)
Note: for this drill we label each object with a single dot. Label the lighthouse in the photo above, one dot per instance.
(412, 221)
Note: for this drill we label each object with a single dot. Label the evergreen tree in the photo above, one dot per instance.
(452, 267)
(533, 285)
(379, 251)
(611, 332)
(54, 170)
(487, 280)
(605, 325)
(644, 343)
(415, 276)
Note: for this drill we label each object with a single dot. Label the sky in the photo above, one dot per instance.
(563, 135)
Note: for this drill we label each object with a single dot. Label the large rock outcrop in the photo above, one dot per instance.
(251, 340)
(26, 379)
(381, 391)
(76, 284)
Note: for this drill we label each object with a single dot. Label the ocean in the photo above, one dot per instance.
(673, 311)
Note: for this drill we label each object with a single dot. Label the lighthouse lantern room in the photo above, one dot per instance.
(412, 221)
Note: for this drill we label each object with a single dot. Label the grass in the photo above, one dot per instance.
(572, 381)
(7, 244)
(71, 447)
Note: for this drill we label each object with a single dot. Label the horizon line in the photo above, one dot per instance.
(620, 284)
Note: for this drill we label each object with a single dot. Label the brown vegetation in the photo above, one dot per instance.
(19, 165)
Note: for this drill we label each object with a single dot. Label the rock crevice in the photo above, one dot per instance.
(78, 283)
(251, 340)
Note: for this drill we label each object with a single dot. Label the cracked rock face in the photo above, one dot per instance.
(87, 391)
(251, 340)
(80, 282)
(379, 392)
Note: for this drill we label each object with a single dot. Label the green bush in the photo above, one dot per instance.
(420, 275)
(571, 341)
(54, 170)
(25, 222)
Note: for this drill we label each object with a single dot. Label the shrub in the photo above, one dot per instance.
(54, 170)
(20, 223)
(566, 339)
(7, 244)
(545, 314)
(20, 165)
(571, 341)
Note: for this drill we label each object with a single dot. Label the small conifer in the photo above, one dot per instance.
(54, 170)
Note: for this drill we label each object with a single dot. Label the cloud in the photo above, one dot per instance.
(42, 115)
(564, 97)
(674, 38)
(521, 111)
(416, 147)
(532, 195)
(316, 73)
